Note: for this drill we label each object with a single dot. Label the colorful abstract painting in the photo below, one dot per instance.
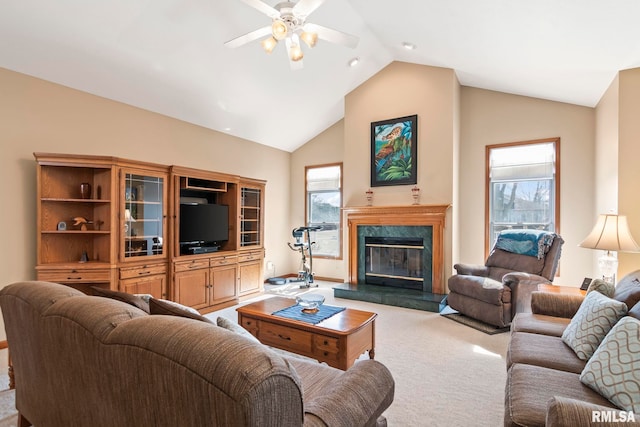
(393, 151)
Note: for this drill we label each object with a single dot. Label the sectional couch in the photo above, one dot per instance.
(554, 379)
(92, 361)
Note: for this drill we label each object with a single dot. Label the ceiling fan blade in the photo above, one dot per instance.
(333, 36)
(305, 8)
(263, 7)
(249, 37)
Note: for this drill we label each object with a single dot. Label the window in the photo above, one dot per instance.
(523, 187)
(323, 202)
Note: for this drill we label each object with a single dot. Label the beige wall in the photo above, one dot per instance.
(400, 89)
(403, 89)
(328, 147)
(628, 155)
(493, 118)
(455, 125)
(617, 150)
(38, 116)
(605, 176)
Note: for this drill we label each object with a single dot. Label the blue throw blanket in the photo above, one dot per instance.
(525, 242)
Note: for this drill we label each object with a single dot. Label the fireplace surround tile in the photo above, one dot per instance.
(427, 217)
(408, 298)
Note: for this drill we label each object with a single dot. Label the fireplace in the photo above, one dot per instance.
(394, 261)
(424, 222)
(396, 256)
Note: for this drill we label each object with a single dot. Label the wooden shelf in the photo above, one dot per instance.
(56, 199)
(131, 213)
(76, 232)
(198, 184)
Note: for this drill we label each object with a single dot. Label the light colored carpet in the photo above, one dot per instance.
(452, 314)
(290, 290)
(447, 374)
(8, 413)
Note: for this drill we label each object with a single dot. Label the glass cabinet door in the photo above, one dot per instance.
(143, 215)
(250, 217)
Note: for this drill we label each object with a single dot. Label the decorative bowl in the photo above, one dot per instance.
(310, 303)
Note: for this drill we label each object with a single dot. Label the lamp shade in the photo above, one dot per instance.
(611, 233)
(279, 29)
(269, 44)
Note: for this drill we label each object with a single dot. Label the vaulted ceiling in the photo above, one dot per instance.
(168, 56)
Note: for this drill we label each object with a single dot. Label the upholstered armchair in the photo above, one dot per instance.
(495, 291)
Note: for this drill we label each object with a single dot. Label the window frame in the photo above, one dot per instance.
(487, 190)
(306, 205)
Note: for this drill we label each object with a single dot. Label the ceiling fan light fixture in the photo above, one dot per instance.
(309, 38)
(269, 44)
(352, 63)
(295, 52)
(279, 29)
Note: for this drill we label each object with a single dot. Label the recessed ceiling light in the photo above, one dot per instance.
(227, 129)
(408, 46)
(354, 62)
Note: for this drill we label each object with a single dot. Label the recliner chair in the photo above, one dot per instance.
(495, 291)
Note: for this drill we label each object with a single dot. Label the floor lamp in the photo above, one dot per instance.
(611, 234)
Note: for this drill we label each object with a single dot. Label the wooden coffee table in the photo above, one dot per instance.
(338, 340)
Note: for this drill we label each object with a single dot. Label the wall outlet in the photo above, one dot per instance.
(270, 266)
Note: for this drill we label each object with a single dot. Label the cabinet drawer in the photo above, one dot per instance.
(142, 271)
(191, 265)
(250, 325)
(325, 356)
(73, 276)
(322, 344)
(250, 256)
(285, 338)
(216, 262)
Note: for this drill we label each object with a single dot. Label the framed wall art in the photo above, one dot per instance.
(394, 148)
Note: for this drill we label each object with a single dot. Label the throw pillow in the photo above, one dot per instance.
(172, 308)
(614, 369)
(593, 320)
(628, 290)
(131, 299)
(605, 288)
(234, 327)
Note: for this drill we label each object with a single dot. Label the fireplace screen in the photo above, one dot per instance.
(395, 261)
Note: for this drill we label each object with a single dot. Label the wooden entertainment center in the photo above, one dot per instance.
(115, 223)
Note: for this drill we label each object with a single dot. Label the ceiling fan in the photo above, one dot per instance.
(288, 24)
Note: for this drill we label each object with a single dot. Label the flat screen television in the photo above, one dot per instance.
(203, 224)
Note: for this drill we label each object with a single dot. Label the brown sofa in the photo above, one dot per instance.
(543, 381)
(88, 360)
